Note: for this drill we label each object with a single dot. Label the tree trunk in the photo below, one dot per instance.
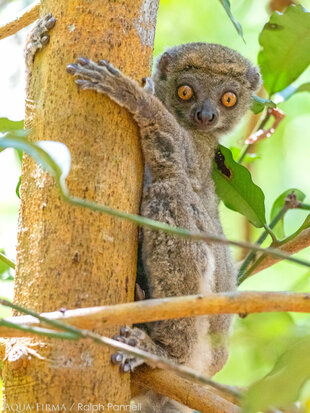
(68, 256)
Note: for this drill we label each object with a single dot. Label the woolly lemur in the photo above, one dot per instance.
(200, 91)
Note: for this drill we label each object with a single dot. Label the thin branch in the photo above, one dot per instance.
(261, 126)
(180, 232)
(266, 133)
(150, 359)
(38, 330)
(244, 302)
(25, 17)
(7, 260)
(304, 206)
(297, 244)
(290, 202)
(202, 398)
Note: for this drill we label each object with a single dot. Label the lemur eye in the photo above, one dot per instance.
(229, 99)
(185, 92)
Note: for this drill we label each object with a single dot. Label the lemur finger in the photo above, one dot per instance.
(109, 67)
(130, 364)
(45, 40)
(50, 22)
(77, 69)
(117, 358)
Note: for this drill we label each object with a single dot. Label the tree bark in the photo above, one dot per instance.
(67, 256)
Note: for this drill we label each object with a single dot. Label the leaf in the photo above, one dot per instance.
(226, 5)
(7, 125)
(278, 205)
(285, 53)
(290, 91)
(52, 156)
(234, 185)
(259, 104)
(18, 187)
(289, 374)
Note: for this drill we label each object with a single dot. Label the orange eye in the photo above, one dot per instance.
(185, 92)
(229, 99)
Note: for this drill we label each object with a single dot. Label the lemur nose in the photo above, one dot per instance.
(205, 115)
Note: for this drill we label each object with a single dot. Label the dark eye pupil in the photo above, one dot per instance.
(184, 93)
(228, 100)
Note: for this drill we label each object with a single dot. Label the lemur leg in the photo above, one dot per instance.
(38, 38)
(134, 337)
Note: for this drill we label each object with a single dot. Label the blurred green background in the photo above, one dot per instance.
(257, 340)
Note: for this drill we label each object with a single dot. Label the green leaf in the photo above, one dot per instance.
(285, 53)
(234, 185)
(290, 91)
(7, 125)
(278, 205)
(259, 104)
(52, 156)
(281, 387)
(18, 186)
(226, 5)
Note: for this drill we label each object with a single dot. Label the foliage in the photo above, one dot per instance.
(277, 207)
(237, 25)
(235, 187)
(285, 53)
(291, 364)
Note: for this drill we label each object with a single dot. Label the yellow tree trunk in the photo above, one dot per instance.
(70, 257)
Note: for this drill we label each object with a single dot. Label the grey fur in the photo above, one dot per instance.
(179, 190)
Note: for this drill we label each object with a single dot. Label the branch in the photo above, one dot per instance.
(25, 17)
(205, 399)
(297, 244)
(244, 302)
(75, 333)
(7, 261)
(180, 232)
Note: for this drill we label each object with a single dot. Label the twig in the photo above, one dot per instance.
(261, 126)
(25, 17)
(262, 134)
(290, 202)
(244, 302)
(7, 260)
(202, 398)
(180, 232)
(297, 244)
(150, 359)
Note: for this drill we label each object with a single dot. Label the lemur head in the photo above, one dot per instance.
(207, 87)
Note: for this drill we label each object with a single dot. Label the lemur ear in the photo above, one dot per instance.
(254, 77)
(163, 64)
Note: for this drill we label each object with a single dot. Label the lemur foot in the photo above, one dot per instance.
(134, 337)
(97, 76)
(38, 37)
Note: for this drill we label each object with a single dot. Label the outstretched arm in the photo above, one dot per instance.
(162, 137)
